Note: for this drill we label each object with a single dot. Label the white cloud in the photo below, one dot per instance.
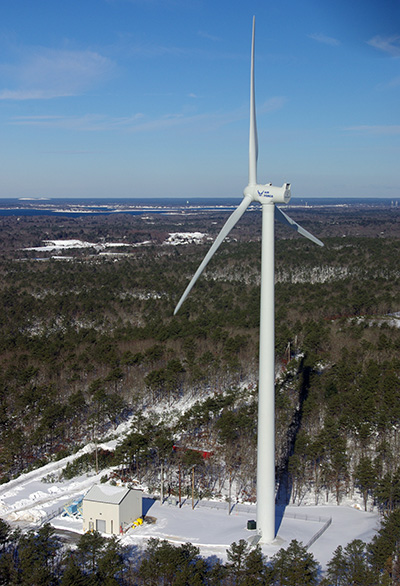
(29, 94)
(151, 50)
(321, 38)
(390, 45)
(206, 35)
(88, 122)
(139, 122)
(43, 73)
(135, 123)
(388, 130)
(275, 103)
(394, 82)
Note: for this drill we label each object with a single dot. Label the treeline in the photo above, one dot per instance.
(349, 420)
(40, 557)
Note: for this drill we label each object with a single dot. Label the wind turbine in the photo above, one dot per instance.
(267, 195)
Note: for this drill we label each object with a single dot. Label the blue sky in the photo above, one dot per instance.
(150, 98)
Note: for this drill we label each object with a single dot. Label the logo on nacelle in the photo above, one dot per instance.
(264, 193)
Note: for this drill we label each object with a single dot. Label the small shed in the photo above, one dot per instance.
(111, 509)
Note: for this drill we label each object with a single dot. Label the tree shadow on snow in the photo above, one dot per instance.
(284, 490)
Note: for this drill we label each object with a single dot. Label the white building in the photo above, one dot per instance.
(111, 509)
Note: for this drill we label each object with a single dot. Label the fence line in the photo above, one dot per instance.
(219, 505)
(307, 517)
(51, 515)
(327, 521)
(319, 533)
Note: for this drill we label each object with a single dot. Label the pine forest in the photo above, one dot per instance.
(88, 339)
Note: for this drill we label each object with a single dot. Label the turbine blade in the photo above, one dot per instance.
(284, 218)
(230, 223)
(253, 141)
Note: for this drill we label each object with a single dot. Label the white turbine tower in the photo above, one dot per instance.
(267, 195)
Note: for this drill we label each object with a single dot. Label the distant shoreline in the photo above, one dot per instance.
(138, 206)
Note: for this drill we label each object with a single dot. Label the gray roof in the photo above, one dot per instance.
(106, 493)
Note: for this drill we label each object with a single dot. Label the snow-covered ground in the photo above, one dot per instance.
(33, 496)
(176, 238)
(213, 530)
(28, 501)
(59, 245)
(41, 494)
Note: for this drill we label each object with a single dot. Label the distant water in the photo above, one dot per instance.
(143, 206)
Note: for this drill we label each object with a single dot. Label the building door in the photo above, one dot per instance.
(101, 525)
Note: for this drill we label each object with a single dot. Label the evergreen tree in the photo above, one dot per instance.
(73, 575)
(167, 564)
(365, 477)
(294, 566)
(8, 571)
(37, 557)
(384, 548)
(217, 574)
(255, 571)
(336, 574)
(110, 563)
(354, 559)
(89, 550)
(237, 555)
(4, 533)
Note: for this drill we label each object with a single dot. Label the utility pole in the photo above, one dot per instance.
(162, 483)
(193, 487)
(180, 486)
(230, 491)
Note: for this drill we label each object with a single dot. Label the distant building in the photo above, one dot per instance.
(111, 509)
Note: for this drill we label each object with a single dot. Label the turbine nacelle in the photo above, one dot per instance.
(268, 193)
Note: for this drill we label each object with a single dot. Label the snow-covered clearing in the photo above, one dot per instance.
(29, 500)
(58, 245)
(213, 530)
(176, 238)
(40, 495)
